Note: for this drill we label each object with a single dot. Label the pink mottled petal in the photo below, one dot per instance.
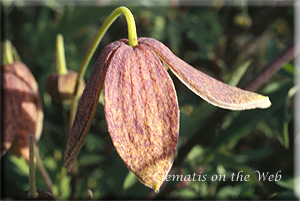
(22, 109)
(141, 111)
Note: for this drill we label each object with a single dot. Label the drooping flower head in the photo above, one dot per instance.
(22, 109)
(141, 107)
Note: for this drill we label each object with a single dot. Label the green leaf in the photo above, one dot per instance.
(89, 159)
(245, 121)
(61, 187)
(186, 193)
(239, 72)
(192, 116)
(282, 126)
(231, 162)
(14, 177)
(129, 181)
(282, 118)
(285, 195)
(287, 183)
(101, 100)
(20, 165)
(289, 68)
(205, 22)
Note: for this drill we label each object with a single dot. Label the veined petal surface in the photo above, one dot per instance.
(87, 105)
(142, 114)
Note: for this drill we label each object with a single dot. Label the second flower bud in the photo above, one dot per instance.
(61, 87)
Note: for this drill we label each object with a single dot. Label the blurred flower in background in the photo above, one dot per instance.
(21, 109)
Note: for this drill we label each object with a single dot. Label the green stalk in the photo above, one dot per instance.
(132, 38)
(61, 66)
(9, 59)
(32, 193)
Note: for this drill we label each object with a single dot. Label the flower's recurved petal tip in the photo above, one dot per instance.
(142, 114)
(87, 106)
(263, 101)
(156, 189)
(267, 102)
(211, 90)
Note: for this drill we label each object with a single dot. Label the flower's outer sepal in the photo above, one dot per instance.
(87, 105)
(142, 114)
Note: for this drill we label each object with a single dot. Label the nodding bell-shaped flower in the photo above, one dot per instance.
(22, 109)
(141, 107)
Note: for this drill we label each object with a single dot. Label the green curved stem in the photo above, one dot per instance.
(132, 38)
(8, 52)
(61, 66)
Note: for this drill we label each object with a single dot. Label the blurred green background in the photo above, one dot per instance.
(232, 43)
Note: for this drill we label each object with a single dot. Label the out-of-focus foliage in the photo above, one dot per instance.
(231, 43)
